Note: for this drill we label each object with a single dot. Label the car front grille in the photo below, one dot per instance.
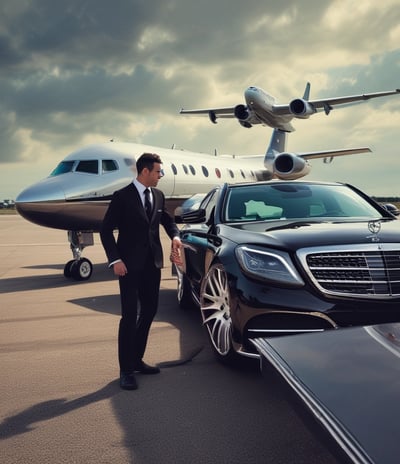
(370, 271)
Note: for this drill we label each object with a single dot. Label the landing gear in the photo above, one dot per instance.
(67, 269)
(79, 268)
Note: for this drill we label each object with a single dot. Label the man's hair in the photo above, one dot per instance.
(147, 160)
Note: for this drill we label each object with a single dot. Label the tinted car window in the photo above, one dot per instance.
(286, 201)
(209, 203)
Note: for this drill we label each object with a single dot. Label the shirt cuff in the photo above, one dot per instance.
(114, 262)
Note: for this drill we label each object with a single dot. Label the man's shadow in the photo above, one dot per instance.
(192, 336)
(24, 421)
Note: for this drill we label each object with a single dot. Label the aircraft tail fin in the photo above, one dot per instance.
(277, 144)
(306, 95)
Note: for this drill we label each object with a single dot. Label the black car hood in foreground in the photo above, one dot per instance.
(301, 234)
(349, 379)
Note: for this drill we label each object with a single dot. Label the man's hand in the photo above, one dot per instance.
(176, 248)
(120, 269)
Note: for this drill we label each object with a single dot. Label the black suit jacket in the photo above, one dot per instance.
(136, 233)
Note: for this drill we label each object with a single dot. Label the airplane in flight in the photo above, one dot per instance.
(75, 196)
(263, 108)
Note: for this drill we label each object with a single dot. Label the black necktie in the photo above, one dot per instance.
(147, 203)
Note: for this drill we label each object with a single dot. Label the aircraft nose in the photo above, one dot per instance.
(38, 200)
(44, 191)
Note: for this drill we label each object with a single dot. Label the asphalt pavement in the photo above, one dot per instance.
(60, 399)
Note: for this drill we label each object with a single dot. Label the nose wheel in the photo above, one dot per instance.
(80, 269)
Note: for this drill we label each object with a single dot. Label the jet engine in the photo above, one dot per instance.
(301, 108)
(243, 115)
(288, 166)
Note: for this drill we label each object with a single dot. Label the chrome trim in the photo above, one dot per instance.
(303, 313)
(372, 258)
(285, 331)
(238, 348)
(248, 354)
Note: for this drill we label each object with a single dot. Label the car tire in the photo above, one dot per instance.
(215, 306)
(184, 292)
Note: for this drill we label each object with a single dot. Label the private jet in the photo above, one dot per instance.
(75, 196)
(262, 108)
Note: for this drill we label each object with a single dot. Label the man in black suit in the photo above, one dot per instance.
(137, 258)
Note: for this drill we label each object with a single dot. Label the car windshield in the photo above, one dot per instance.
(280, 201)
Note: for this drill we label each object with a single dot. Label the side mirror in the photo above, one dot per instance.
(392, 209)
(194, 217)
(190, 204)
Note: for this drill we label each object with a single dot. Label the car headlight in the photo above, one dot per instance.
(266, 265)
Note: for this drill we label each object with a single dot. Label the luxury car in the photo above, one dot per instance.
(348, 393)
(284, 257)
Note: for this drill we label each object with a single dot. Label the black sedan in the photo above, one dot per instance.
(285, 257)
(349, 384)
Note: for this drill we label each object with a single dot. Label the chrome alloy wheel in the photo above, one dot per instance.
(184, 293)
(180, 284)
(215, 309)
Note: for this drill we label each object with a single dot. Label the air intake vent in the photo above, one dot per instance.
(372, 271)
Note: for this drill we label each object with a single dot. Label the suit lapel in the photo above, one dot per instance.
(156, 203)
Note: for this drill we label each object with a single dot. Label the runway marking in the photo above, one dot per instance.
(31, 244)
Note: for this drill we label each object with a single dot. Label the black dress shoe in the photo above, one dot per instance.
(127, 381)
(144, 368)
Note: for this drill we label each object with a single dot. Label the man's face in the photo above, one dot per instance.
(153, 176)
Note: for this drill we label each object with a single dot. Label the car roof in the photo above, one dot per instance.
(279, 182)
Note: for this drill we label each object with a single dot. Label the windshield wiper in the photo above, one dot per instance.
(295, 224)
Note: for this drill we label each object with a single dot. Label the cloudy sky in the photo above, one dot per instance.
(78, 72)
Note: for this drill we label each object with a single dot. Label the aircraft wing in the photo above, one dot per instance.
(327, 104)
(213, 113)
(333, 153)
(350, 99)
(228, 112)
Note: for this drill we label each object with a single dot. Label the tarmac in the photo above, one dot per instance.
(60, 399)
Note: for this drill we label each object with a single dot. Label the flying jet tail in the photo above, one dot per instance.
(289, 166)
(306, 95)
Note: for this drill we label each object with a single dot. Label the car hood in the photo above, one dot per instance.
(302, 234)
(362, 363)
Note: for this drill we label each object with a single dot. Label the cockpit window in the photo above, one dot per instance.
(129, 161)
(88, 166)
(108, 166)
(62, 168)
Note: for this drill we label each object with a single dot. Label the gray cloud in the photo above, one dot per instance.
(124, 68)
